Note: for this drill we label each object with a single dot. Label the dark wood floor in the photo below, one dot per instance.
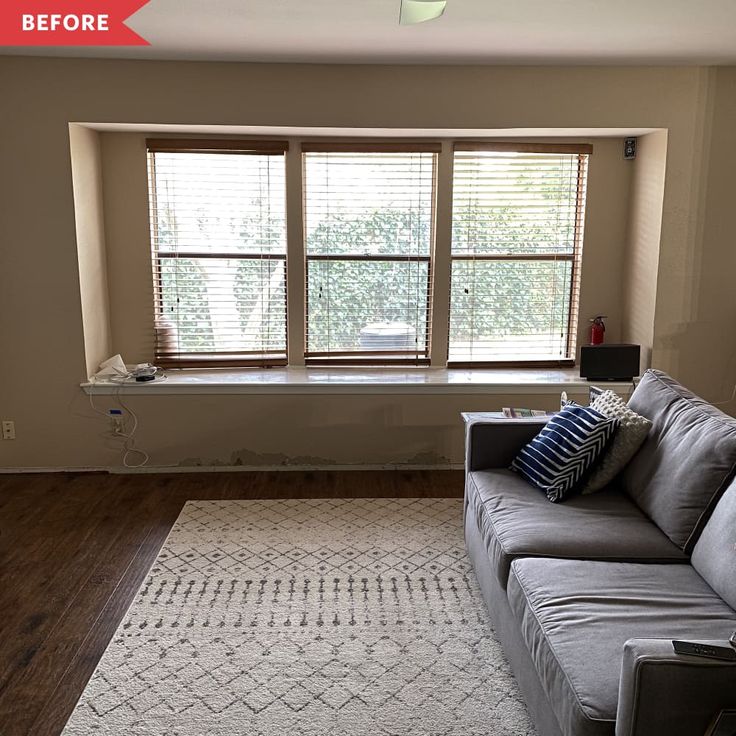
(74, 549)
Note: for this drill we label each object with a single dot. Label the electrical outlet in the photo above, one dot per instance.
(8, 430)
(116, 420)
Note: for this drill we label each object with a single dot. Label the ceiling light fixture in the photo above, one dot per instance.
(419, 11)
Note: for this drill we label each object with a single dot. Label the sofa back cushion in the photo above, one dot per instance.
(686, 462)
(714, 556)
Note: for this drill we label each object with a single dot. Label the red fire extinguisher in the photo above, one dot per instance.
(597, 330)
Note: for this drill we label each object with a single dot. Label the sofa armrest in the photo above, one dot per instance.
(495, 442)
(666, 694)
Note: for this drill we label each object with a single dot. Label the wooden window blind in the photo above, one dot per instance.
(218, 235)
(369, 227)
(517, 236)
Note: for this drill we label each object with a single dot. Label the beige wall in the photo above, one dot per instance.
(303, 430)
(42, 322)
(125, 186)
(604, 251)
(90, 231)
(707, 340)
(128, 242)
(642, 249)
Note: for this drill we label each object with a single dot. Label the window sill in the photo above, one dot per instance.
(402, 381)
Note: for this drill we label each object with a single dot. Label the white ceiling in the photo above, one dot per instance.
(471, 31)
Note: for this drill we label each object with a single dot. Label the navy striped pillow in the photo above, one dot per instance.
(556, 460)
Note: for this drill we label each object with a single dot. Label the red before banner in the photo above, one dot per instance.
(68, 23)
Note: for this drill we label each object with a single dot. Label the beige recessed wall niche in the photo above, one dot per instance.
(42, 324)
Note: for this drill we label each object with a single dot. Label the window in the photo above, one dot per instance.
(371, 268)
(368, 223)
(517, 231)
(218, 234)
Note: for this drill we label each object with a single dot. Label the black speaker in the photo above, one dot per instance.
(609, 362)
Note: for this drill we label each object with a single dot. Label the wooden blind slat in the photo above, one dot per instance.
(521, 147)
(216, 145)
(373, 146)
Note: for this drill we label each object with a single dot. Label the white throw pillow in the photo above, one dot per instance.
(630, 435)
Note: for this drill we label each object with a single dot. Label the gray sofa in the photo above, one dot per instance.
(586, 595)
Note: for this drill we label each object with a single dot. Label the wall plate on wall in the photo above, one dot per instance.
(629, 148)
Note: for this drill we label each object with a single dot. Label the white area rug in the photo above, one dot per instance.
(310, 617)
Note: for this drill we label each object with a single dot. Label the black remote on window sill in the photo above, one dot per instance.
(704, 650)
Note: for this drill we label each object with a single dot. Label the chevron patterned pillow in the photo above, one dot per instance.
(557, 459)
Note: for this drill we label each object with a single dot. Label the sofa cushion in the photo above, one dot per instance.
(516, 521)
(714, 556)
(630, 435)
(556, 460)
(685, 463)
(575, 617)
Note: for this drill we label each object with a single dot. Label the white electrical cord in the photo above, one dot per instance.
(130, 377)
(128, 438)
(120, 379)
(95, 409)
(129, 444)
